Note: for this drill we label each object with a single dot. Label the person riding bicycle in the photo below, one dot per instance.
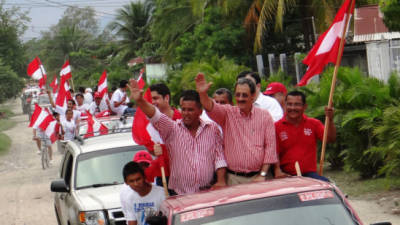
(40, 137)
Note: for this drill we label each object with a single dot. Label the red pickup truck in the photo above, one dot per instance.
(288, 201)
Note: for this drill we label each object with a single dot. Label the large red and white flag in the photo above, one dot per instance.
(40, 116)
(140, 80)
(326, 49)
(37, 71)
(54, 84)
(94, 127)
(66, 70)
(102, 85)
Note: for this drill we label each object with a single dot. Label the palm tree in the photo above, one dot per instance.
(263, 12)
(132, 26)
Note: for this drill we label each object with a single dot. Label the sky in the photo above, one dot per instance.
(45, 13)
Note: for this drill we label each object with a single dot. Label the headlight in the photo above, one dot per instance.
(92, 218)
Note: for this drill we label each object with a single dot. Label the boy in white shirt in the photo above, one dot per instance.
(144, 200)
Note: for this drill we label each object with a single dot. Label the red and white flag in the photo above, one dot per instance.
(66, 70)
(54, 84)
(140, 80)
(143, 132)
(39, 116)
(102, 85)
(103, 113)
(94, 126)
(37, 71)
(326, 49)
(63, 94)
(52, 130)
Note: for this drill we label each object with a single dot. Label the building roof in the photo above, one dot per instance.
(369, 25)
(243, 192)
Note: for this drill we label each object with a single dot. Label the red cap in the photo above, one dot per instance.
(142, 156)
(275, 87)
(97, 95)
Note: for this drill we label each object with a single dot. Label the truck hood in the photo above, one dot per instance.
(99, 198)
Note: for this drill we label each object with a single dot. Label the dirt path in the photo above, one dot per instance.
(25, 197)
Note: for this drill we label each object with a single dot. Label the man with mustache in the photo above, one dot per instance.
(297, 135)
(263, 101)
(249, 134)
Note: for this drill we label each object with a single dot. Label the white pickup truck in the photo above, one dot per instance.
(90, 180)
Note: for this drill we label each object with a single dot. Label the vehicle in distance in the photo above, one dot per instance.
(288, 201)
(90, 180)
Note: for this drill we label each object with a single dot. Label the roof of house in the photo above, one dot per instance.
(369, 25)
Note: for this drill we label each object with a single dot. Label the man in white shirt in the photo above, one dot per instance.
(144, 200)
(263, 101)
(62, 111)
(88, 96)
(119, 99)
(81, 106)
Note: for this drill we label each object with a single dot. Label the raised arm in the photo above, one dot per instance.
(137, 95)
(202, 87)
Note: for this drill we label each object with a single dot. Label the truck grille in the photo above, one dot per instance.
(116, 217)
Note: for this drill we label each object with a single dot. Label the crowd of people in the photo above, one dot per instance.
(212, 143)
(208, 142)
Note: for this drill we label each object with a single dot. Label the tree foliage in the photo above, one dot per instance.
(12, 26)
(391, 12)
(132, 26)
(10, 83)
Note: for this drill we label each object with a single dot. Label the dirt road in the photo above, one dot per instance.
(25, 197)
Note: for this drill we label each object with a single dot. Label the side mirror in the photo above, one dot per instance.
(382, 223)
(59, 186)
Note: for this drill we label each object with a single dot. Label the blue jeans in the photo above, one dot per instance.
(315, 176)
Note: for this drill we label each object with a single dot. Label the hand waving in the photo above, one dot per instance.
(136, 92)
(201, 84)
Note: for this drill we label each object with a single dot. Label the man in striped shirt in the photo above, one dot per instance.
(249, 134)
(195, 146)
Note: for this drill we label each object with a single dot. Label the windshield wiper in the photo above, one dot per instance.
(100, 185)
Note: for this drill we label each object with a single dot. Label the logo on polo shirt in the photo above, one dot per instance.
(307, 131)
(283, 136)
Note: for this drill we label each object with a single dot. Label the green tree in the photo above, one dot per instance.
(10, 83)
(132, 25)
(12, 26)
(214, 37)
(391, 12)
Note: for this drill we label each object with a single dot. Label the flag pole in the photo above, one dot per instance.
(333, 84)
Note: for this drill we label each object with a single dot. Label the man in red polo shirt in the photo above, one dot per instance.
(297, 135)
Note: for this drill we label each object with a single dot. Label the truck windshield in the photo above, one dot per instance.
(103, 168)
(282, 210)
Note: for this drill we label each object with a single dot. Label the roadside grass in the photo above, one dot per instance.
(8, 112)
(5, 143)
(5, 124)
(350, 183)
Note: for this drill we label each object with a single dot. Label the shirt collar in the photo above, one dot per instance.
(285, 121)
(250, 114)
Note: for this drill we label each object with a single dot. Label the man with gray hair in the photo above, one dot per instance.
(249, 134)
